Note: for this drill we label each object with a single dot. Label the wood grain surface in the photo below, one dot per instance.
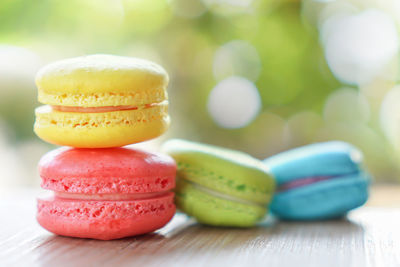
(369, 236)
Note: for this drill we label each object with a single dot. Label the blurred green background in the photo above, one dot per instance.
(261, 76)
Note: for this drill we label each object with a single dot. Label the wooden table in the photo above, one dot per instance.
(369, 236)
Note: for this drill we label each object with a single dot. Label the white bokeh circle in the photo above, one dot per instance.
(17, 61)
(237, 58)
(359, 47)
(234, 102)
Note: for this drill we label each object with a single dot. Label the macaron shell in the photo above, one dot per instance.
(322, 200)
(104, 220)
(96, 130)
(321, 159)
(227, 171)
(101, 77)
(106, 171)
(211, 210)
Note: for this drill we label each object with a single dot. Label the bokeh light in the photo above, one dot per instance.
(18, 67)
(234, 102)
(346, 105)
(390, 116)
(391, 7)
(375, 93)
(17, 63)
(237, 58)
(317, 12)
(359, 47)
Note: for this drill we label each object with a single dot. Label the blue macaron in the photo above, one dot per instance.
(318, 181)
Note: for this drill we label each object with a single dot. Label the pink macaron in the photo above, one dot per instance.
(106, 193)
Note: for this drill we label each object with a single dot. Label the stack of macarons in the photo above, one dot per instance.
(94, 105)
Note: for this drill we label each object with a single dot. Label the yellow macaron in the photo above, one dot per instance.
(101, 101)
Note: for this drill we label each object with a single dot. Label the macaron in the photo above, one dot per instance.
(318, 181)
(220, 187)
(105, 193)
(101, 101)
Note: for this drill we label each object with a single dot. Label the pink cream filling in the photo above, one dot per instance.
(99, 109)
(302, 182)
(112, 197)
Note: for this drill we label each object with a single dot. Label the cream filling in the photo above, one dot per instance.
(112, 197)
(223, 195)
(105, 108)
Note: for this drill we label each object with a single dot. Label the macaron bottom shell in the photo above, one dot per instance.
(100, 130)
(102, 219)
(322, 200)
(216, 211)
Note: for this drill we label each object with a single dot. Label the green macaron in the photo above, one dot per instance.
(218, 186)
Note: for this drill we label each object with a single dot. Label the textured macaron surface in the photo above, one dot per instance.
(106, 193)
(101, 129)
(102, 80)
(209, 208)
(226, 171)
(327, 159)
(104, 220)
(318, 181)
(322, 200)
(106, 171)
(220, 187)
(101, 101)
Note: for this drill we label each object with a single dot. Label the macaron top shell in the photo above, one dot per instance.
(226, 171)
(326, 159)
(102, 80)
(106, 171)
